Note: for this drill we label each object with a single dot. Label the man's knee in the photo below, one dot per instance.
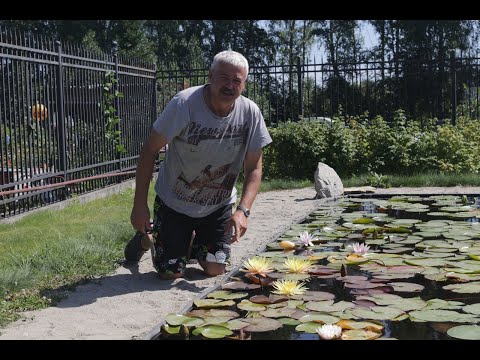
(212, 269)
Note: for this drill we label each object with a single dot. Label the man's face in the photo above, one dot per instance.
(227, 82)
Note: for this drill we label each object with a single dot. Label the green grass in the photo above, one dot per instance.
(47, 253)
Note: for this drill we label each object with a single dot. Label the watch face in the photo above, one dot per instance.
(245, 210)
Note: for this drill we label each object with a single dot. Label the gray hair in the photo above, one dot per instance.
(230, 57)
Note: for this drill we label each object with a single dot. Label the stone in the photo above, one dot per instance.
(327, 182)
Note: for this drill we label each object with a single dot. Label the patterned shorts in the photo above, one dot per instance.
(172, 232)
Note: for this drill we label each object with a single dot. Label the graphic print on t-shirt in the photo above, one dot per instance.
(214, 183)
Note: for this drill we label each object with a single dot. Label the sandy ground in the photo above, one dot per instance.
(133, 301)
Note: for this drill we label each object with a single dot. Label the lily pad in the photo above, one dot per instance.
(314, 296)
(468, 288)
(378, 313)
(319, 318)
(277, 313)
(289, 321)
(465, 332)
(212, 331)
(240, 285)
(360, 334)
(271, 299)
(212, 303)
(226, 295)
(472, 309)
(262, 324)
(441, 316)
(406, 286)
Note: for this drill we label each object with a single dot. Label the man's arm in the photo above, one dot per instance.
(140, 216)
(252, 167)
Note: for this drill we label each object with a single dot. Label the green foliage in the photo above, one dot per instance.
(379, 180)
(356, 145)
(296, 149)
(112, 121)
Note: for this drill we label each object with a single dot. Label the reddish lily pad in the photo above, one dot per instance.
(262, 324)
(240, 285)
(271, 299)
(314, 296)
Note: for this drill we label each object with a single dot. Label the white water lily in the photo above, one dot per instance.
(360, 248)
(306, 238)
(329, 331)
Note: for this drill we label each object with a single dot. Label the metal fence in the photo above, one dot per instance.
(52, 119)
(435, 89)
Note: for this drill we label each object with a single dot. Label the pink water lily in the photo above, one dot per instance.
(360, 248)
(306, 238)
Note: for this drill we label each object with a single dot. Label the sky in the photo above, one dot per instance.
(366, 31)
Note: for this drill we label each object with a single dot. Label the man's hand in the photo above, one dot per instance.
(239, 223)
(140, 218)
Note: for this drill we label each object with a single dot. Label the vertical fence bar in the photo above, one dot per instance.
(453, 71)
(300, 88)
(117, 104)
(62, 150)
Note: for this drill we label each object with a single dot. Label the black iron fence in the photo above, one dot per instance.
(52, 119)
(54, 98)
(436, 89)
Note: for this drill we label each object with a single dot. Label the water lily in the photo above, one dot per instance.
(257, 265)
(298, 265)
(360, 248)
(329, 331)
(289, 287)
(306, 238)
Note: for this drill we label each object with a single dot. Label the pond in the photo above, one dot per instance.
(405, 267)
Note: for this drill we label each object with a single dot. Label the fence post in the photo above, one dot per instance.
(62, 150)
(453, 70)
(117, 103)
(300, 88)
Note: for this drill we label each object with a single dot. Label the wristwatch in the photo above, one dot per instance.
(244, 209)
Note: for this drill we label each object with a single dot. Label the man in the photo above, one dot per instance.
(211, 131)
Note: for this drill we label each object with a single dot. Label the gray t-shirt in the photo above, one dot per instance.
(205, 152)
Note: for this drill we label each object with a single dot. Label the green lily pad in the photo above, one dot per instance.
(441, 316)
(472, 309)
(226, 295)
(406, 286)
(289, 321)
(328, 306)
(250, 306)
(360, 334)
(212, 331)
(212, 313)
(308, 327)
(468, 288)
(277, 313)
(377, 313)
(236, 324)
(176, 319)
(212, 303)
(319, 318)
(433, 304)
(465, 332)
